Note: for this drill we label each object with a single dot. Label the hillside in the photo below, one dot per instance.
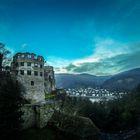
(123, 81)
(127, 80)
(79, 80)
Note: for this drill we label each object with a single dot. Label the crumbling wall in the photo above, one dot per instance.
(44, 114)
(28, 116)
(37, 79)
(37, 115)
(49, 79)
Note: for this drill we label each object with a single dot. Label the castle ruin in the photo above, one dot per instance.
(36, 78)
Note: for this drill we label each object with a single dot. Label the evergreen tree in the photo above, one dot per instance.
(10, 100)
(10, 106)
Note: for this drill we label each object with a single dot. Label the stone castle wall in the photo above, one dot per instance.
(49, 79)
(37, 79)
(38, 115)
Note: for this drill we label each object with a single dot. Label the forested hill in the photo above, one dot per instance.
(123, 81)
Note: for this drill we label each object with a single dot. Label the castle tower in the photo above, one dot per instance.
(49, 80)
(28, 68)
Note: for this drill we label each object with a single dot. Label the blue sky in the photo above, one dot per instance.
(99, 37)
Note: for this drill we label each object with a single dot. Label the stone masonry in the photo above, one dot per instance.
(37, 79)
(37, 115)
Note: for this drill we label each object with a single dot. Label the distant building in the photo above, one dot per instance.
(37, 79)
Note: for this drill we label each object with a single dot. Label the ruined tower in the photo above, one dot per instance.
(29, 70)
(49, 79)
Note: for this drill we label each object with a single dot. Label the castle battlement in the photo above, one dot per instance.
(28, 56)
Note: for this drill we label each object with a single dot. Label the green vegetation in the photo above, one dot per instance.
(135, 137)
(80, 127)
(3, 53)
(10, 104)
(47, 133)
(50, 96)
(115, 115)
(10, 101)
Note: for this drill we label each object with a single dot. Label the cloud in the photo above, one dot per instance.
(109, 57)
(60, 70)
(110, 65)
(58, 62)
(104, 48)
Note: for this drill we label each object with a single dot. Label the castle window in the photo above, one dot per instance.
(32, 83)
(22, 72)
(28, 72)
(22, 63)
(41, 74)
(29, 64)
(41, 66)
(36, 73)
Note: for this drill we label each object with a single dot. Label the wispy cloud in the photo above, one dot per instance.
(109, 57)
(104, 48)
(58, 62)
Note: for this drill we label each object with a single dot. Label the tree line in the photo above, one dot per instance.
(11, 100)
(120, 114)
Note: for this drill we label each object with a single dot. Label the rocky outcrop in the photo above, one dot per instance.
(80, 127)
(39, 115)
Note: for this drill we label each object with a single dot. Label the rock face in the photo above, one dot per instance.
(28, 117)
(37, 79)
(80, 127)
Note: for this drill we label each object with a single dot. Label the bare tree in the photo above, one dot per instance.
(3, 54)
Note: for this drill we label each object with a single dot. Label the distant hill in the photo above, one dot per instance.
(123, 81)
(127, 80)
(79, 80)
